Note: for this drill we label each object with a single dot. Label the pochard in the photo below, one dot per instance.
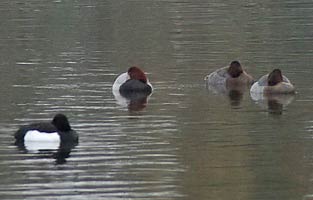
(134, 80)
(273, 83)
(231, 76)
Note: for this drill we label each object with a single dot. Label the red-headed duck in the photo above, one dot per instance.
(132, 87)
(134, 80)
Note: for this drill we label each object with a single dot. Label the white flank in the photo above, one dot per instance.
(256, 91)
(36, 146)
(120, 100)
(35, 140)
(119, 81)
(36, 136)
(218, 77)
(257, 88)
(148, 83)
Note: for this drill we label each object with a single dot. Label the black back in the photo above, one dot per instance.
(42, 127)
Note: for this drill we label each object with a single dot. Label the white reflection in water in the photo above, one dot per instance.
(274, 103)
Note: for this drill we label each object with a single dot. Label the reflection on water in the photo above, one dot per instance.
(186, 142)
(274, 107)
(58, 151)
(234, 93)
(274, 103)
(60, 154)
(138, 103)
(133, 101)
(235, 97)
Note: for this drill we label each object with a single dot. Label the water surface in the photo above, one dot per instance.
(188, 142)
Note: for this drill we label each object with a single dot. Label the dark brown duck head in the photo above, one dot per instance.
(275, 77)
(235, 69)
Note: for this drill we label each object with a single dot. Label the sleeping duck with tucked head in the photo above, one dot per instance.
(132, 88)
(132, 81)
(48, 135)
(232, 77)
(273, 83)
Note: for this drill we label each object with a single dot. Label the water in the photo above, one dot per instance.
(188, 142)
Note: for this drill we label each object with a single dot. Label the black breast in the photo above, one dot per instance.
(134, 86)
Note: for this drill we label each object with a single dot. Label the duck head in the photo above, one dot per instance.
(60, 121)
(235, 69)
(136, 73)
(274, 77)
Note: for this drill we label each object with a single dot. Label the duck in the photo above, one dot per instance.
(132, 81)
(46, 135)
(230, 76)
(272, 83)
(132, 88)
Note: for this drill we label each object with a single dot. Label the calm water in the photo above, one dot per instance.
(189, 142)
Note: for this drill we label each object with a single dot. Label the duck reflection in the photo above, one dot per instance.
(59, 152)
(234, 93)
(274, 103)
(134, 101)
(235, 97)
